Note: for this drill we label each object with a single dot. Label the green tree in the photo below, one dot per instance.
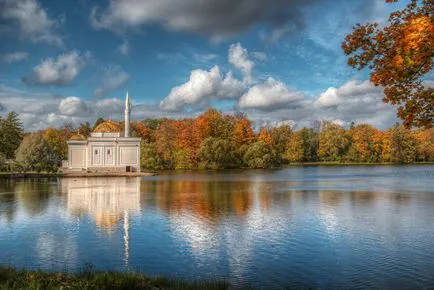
(260, 155)
(11, 131)
(183, 160)
(34, 153)
(3, 166)
(216, 153)
(149, 158)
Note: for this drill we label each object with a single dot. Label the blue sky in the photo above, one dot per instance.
(276, 60)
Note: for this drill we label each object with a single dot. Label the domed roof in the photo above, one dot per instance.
(78, 137)
(108, 127)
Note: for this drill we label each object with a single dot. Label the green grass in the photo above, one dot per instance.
(11, 278)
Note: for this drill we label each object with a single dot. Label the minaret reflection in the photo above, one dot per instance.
(107, 200)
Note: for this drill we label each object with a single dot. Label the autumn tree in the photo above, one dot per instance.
(302, 146)
(57, 140)
(403, 147)
(399, 56)
(166, 137)
(280, 137)
(363, 147)
(187, 142)
(265, 136)
(295, 151)
(243, 133)
(332, 142)
(425, 144)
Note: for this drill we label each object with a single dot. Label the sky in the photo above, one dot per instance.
(278, 61)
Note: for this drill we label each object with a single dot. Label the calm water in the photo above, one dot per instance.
(367, 227)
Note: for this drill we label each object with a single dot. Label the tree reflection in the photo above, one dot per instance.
(34, 194)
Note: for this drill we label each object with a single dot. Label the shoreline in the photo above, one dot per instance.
(16, 175)
(87, 278)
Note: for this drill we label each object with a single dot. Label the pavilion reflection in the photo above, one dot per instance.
(108, 200)
(105, 199)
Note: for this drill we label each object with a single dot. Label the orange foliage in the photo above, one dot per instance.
(265, 136)
(399, 56)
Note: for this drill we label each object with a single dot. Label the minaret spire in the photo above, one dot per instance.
(127, 116)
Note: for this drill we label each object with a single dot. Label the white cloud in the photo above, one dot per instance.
(60, 71)
(217, 19)
(14, 57)
(352, 93)
(239, 58)
(201, 87)
(113, 77)
(73, 106)
(268, 95)
(32, 21)
(125, 47)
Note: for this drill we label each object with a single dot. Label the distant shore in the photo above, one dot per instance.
(11, 278)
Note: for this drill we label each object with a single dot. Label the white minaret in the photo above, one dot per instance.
(127, 116)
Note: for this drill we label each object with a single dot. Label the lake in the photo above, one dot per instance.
(326, 227)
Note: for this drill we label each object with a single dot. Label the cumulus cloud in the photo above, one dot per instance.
(201, 87)
(352, 94)
(14, 57)
(239, 57)
(112, 77)
(73, 106)
(217, 19)
(31, 20)
(354, 101)
(269, 95)
(60, 71)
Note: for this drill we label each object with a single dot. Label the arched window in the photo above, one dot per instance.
(108, 152)
(96, 152)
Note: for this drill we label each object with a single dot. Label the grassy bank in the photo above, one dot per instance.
(11, 278)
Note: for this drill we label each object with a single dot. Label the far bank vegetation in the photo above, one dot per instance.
(215, 140)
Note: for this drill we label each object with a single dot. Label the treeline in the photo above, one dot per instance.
(215, 141)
